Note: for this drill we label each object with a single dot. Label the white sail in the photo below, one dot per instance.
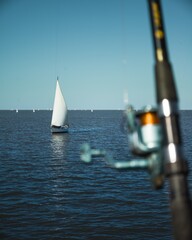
(59, 115)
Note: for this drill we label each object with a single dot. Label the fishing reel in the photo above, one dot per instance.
(145, 141)
(144, 131)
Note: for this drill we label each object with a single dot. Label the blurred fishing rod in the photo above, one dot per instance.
(155, 137)
(175, 166)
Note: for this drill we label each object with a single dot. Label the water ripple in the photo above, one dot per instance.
(46, 192)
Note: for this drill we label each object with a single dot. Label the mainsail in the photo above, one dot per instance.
(59, 116)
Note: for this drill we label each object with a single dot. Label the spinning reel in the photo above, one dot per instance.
(145, 141)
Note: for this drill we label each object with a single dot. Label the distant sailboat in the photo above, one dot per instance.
(59, 122)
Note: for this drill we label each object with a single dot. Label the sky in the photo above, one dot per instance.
(100, 49)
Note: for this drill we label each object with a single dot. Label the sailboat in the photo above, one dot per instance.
(59, 122)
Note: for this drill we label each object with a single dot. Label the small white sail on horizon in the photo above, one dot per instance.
(59, 122)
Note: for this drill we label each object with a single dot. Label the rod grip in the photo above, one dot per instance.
(181, 208)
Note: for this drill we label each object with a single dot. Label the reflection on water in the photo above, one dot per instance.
(59, 144)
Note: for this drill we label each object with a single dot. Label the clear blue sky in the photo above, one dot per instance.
(98, 48)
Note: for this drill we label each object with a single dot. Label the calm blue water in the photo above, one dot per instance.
(46, 192)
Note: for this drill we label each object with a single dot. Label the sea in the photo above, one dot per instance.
(47, 192)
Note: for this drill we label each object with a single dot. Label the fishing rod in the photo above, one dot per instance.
(155, 137)
(175, 166)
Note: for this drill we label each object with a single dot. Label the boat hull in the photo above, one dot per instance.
(62, 129)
